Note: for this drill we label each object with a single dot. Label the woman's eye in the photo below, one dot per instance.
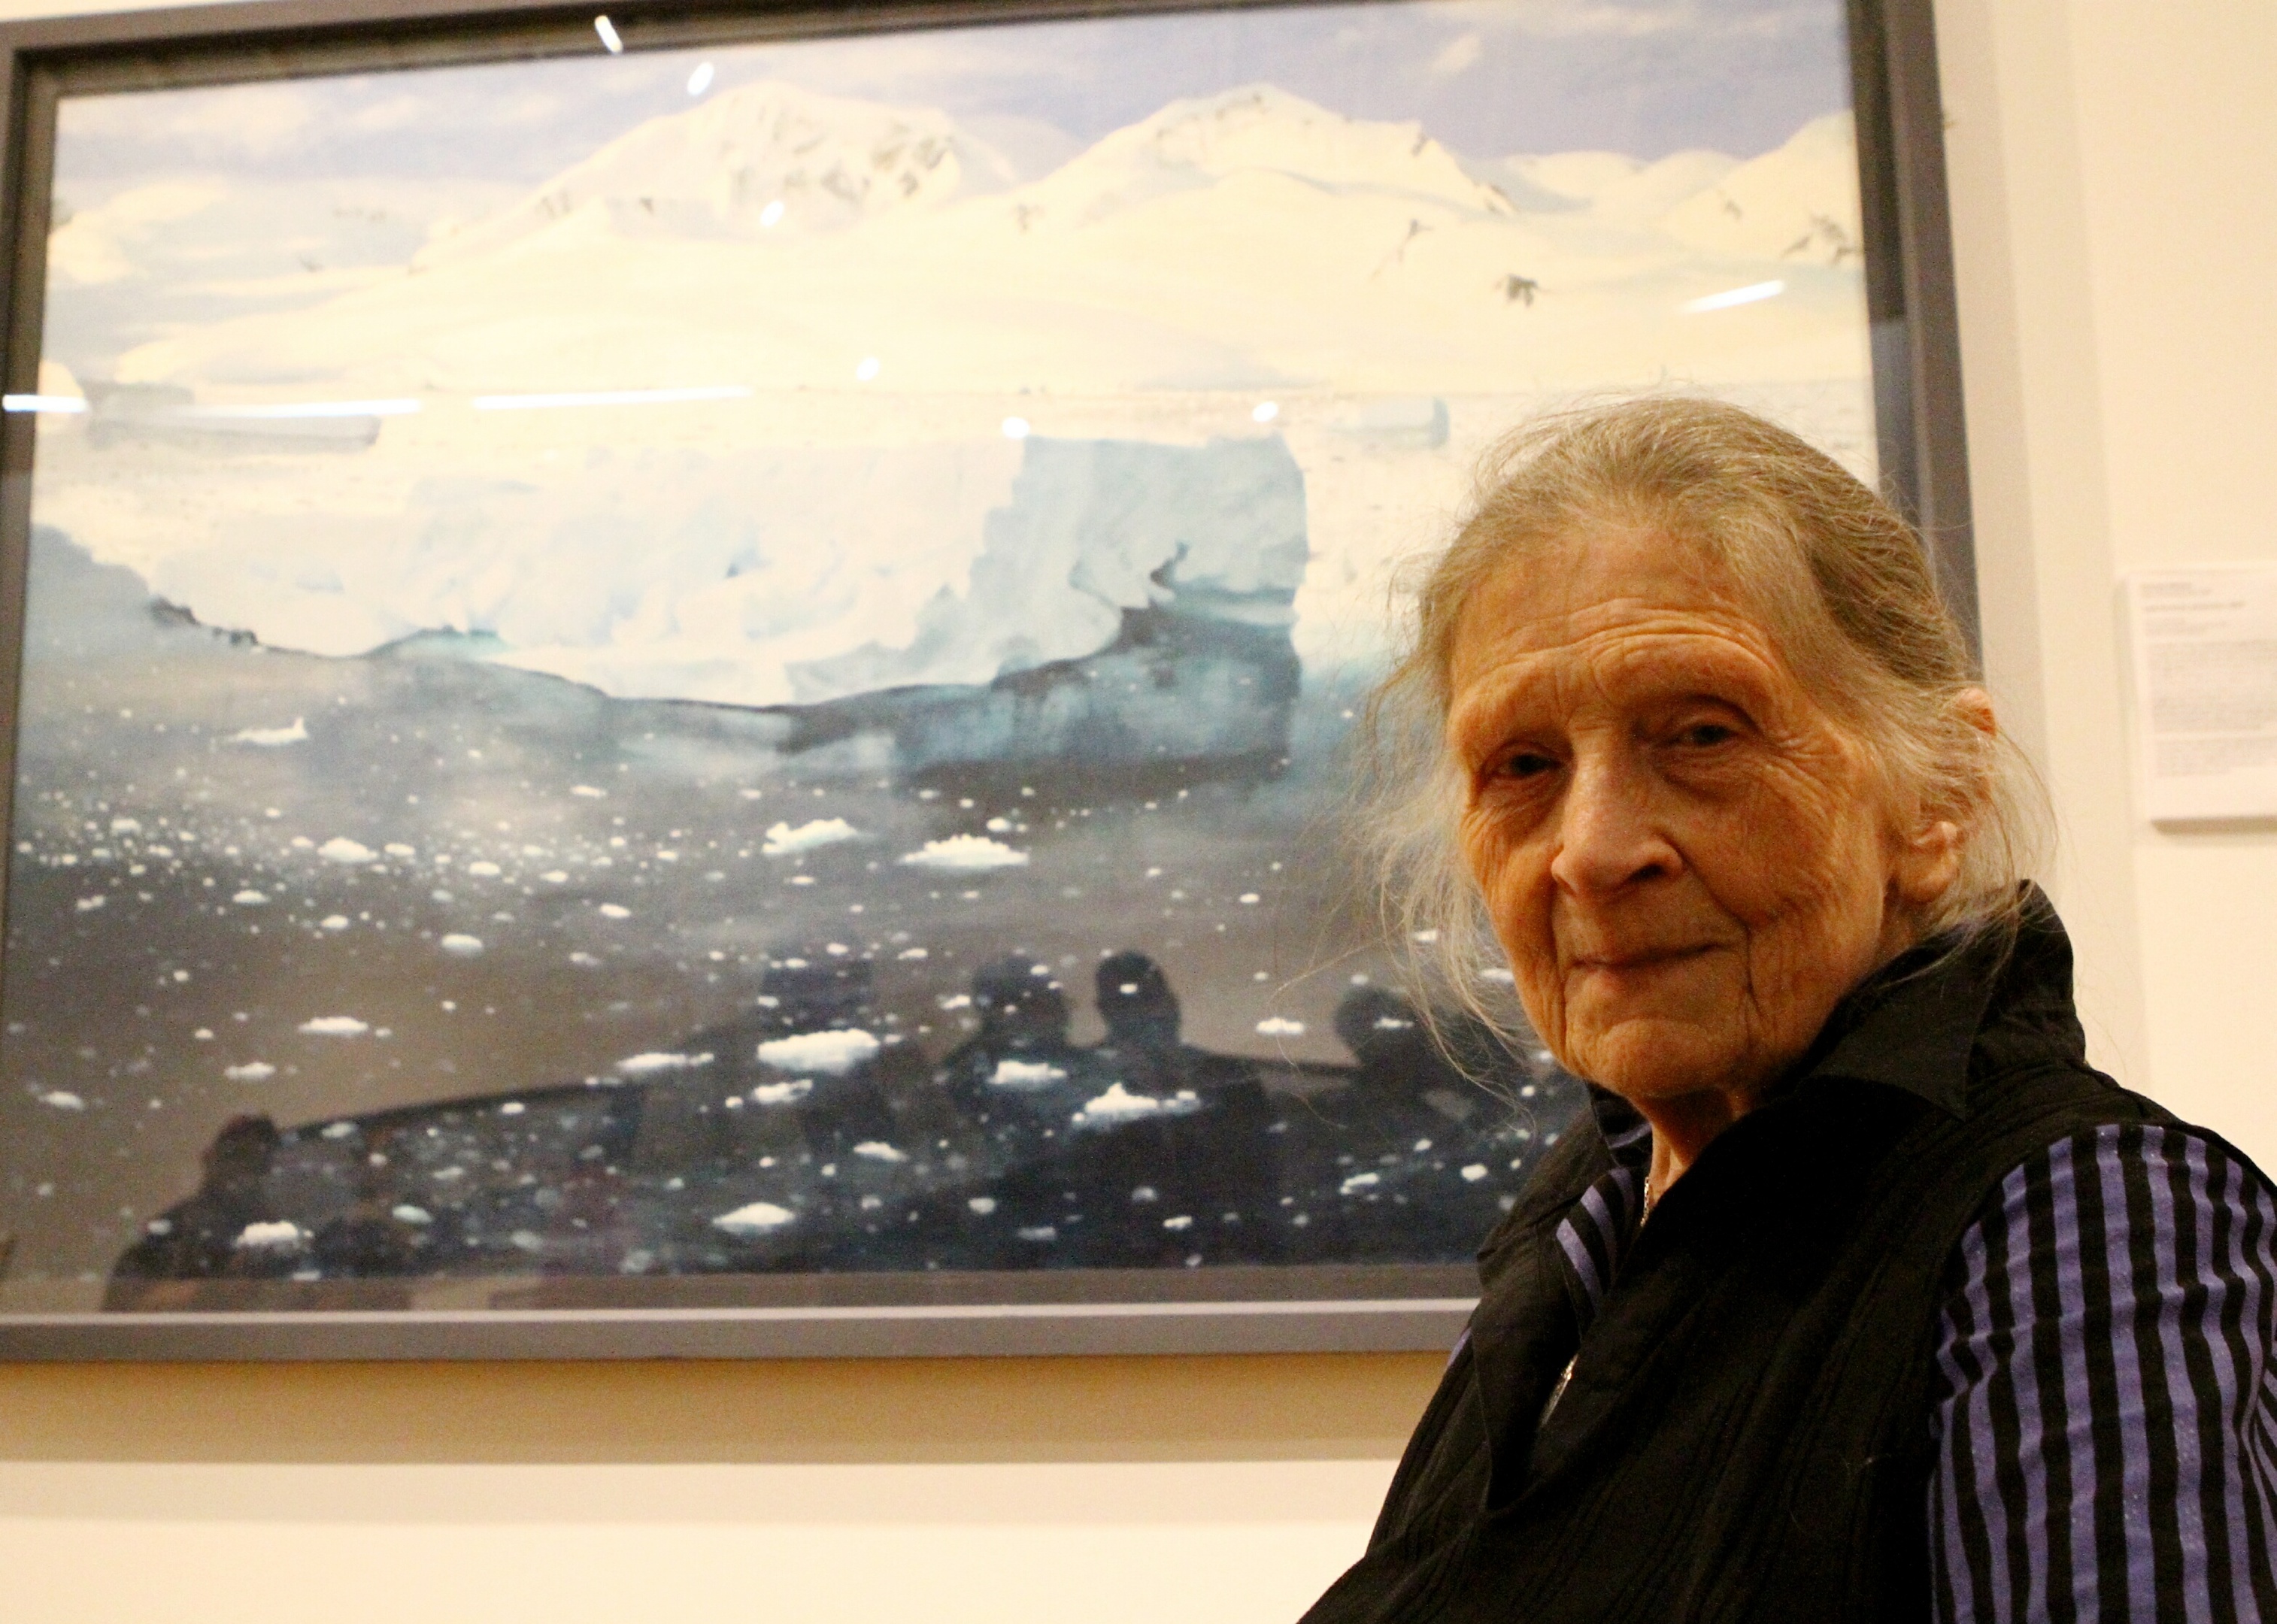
(1526, 764)
(1704, 735)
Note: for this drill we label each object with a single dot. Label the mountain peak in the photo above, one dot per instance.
(758, 158)
(1260, 128)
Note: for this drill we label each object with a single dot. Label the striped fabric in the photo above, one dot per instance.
(2105, 1416)
(1595, 1235)
(2107, 1413)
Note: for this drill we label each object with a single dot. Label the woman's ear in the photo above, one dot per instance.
(1928, 859)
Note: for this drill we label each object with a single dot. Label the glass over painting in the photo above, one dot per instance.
(734, 661)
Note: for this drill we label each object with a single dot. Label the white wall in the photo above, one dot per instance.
(2114, 222)
(2114, 226)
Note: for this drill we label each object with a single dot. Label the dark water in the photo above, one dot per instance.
(482, 967)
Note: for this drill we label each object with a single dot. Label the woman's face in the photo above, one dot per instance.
(1686, 859)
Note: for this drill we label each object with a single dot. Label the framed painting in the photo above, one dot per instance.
(679, 679)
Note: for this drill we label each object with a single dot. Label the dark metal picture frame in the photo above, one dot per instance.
(1238, 1309)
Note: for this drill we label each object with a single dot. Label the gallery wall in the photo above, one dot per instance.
(2107, 162)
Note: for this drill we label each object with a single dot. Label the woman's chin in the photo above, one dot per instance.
(1650, 1059)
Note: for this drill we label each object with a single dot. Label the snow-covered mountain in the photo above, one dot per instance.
(764, 156)
(1797, 203)
(1194, 144)
(1246, 240)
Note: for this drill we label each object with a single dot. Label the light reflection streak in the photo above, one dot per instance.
(1748, 295)
(609, 397)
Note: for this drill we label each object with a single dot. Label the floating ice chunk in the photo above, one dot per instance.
(1184, 1220)
(284, 1235)
(1280, 1026)
(650, 1065)
(484, 870)
(460, 945)
(1248, 898)
(555, 876)
(1025, 1075)
(783, 839)
(252, 1071)
(1475, 1171)
(782, 1093)
(335, 1026)
(340, 849)
(63, 1099)
(616, 910)
(126, 826)
(396, 848)
(1358, 1182)
(250, 899)
(910, 953)
(879, 1150)
(270, 738)
(1118, 1105)
(333, 922)
(957, 1000)
(584, 961)
(340, 1130)
(966, 854)
(1040, 1232)
(88, 904)
(982, 1204)
(999, 825)
(835, 1053)
(527, 1241)
(589, 792)
(756, 1219)
(408, 1214)
(203, 1034)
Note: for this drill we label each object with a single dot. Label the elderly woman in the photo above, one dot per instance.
(1864, 1295)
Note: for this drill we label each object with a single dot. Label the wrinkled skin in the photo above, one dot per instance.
(1686, 859)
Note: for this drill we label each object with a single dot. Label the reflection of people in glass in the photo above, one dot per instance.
(1210, 1164)
(1017, 1081)
(200, 1239)
(845, 1106)
(1400, 1063)
(371, 1239)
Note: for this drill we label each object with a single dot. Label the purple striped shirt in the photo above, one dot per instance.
(2105, 1412)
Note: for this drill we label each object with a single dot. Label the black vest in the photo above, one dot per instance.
(1745, 1431)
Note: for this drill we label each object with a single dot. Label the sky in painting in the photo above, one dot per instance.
(1488, 78)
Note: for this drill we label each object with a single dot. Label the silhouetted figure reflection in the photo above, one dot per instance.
(1017, 1081)
(843, 1104)
(1417, 1157)
(376, 1236)
(1191, 1174)
(227, 1229)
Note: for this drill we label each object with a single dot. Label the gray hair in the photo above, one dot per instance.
(1841, 582)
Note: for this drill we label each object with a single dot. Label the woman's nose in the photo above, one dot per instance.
(1609, 836)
